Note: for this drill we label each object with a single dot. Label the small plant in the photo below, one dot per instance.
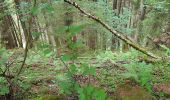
(167, 50)
(70, 84)
(91, 93)
(139, 72)
(4, 89)
(4, 68)
(107, 55)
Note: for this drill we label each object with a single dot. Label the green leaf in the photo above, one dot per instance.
(66, 57)
(91, 93)
(65, 87)
(89, 89)
(44, 46)
(75, 45)
(73, 69)
(61, 30)
(99, 94)
(25, 86)
(35, 11)
(87, 70)
(4, 90)
(47, 52)
(2, 50)
(47, 7)
(82, 96)
(76, 29)
(92, 71)
(2, 80)
(36, 34)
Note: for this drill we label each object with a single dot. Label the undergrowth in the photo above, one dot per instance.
(110, 70)
(127, 66)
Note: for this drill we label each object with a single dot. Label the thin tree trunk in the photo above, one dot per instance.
(119, 7)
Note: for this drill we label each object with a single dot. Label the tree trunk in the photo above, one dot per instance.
(7, 30)
(114, 4)
(25, 23)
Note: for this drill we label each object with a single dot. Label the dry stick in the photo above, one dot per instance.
(114, 32)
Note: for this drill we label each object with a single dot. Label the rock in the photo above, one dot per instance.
(128, 92)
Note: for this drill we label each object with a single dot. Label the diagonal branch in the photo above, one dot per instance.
(114, 32)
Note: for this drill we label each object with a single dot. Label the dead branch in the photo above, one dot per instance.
(114, 32)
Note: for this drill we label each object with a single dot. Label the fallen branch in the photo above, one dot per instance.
(151, 60)
(114, 32)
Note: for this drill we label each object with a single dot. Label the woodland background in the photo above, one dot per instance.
(43, 41)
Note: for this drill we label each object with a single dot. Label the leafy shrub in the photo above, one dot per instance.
(69, 85)
(4, 57)
(139, 72)
(109, 55)
(91, 93)
(4, 89)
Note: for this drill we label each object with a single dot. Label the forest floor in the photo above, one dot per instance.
(121, 75)
(45, 80)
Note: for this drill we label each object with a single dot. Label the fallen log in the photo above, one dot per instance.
(114, 32)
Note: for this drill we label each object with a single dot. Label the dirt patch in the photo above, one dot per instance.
(85, 80)
(162, 88)
(128, 92)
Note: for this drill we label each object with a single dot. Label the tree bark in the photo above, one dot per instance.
(25, 24)
(119, 7)
(7, 31)
(114, 4)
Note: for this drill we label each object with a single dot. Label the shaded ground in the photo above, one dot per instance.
(44, 82)
(40, 80)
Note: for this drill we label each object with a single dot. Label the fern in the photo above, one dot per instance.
(140, 72)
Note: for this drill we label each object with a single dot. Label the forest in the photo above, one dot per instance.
(84, 49)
